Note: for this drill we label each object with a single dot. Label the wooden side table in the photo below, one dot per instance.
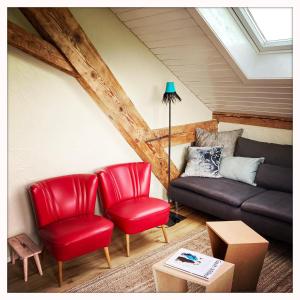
(235, 242)
(23, 247)
(172, 280)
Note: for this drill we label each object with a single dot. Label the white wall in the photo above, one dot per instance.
(262, 134)
(54, 126)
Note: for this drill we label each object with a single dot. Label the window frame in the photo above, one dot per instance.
(248, 24)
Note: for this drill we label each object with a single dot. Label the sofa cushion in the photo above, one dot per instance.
(225, 190)
(272, 204)
(275, 154)
(275, 178)
(226, 139)
(204, 204)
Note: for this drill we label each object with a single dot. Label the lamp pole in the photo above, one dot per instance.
(169, 149)
(170, 96)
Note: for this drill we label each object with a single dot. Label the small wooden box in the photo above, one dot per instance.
(23, 247)
(172, 280)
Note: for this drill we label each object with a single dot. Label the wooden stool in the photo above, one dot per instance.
(23, 247)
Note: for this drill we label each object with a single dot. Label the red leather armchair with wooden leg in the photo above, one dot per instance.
(64, 208)
(124, 193)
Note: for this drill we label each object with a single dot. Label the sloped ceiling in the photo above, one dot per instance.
(181, 44)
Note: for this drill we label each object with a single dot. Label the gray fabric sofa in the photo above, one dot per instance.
(267, 207)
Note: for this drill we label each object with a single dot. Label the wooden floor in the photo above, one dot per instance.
(90, 265)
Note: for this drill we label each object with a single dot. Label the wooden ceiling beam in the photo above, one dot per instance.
(263, 121)
(39, 48)
(182, 134)
(59, 27)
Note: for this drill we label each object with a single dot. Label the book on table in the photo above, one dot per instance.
(194, 263)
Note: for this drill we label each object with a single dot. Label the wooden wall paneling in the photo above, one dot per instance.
(264, 121)
(205, 56)
(181, 49)
(203, 69)
(199, 75)
(171, 25)
(277, 102)
(288, 82)
(37, 47)
(258, 113)
(161, 18)
(251, 110)
(122, 9)
(243, 89)
(171, 34)
(189, 40)
(195, 55)
(263, 102)
(238, 96)
(58, 25)
(138, 13)
(196, 62)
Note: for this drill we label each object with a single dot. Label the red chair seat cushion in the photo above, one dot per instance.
(76, 236)
(139, 214)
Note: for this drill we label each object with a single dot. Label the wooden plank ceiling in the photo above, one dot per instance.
(179, 42)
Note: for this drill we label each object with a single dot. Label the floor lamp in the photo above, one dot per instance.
(170, 96)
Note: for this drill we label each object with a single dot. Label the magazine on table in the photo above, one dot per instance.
(194, 263)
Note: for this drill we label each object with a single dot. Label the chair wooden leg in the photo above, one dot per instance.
(163, 227)
(25, 268)
(60, 273)
(38, 263)
(127, 244)
(106, 251)
(13, 256)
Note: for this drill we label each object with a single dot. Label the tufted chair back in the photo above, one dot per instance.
(63, 197)
(124, 181)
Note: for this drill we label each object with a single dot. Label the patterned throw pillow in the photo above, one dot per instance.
(203, 161)
(227, 139)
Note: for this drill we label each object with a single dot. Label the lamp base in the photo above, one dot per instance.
(174, 218)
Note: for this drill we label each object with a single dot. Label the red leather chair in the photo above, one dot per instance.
(64, 208)
(124, 193)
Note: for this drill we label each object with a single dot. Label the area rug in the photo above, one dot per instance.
(137, 277)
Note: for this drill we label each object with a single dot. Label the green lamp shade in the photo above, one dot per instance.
(170, 87)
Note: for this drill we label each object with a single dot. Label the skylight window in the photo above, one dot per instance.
(274, 23)
(269, 28)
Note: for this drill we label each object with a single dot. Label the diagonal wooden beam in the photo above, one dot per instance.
(182, 134)
(59, 27)
(37, 47)
(46, 52)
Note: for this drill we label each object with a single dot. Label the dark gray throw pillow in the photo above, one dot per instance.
(227, 139)
(203, 161)
(275, 154)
